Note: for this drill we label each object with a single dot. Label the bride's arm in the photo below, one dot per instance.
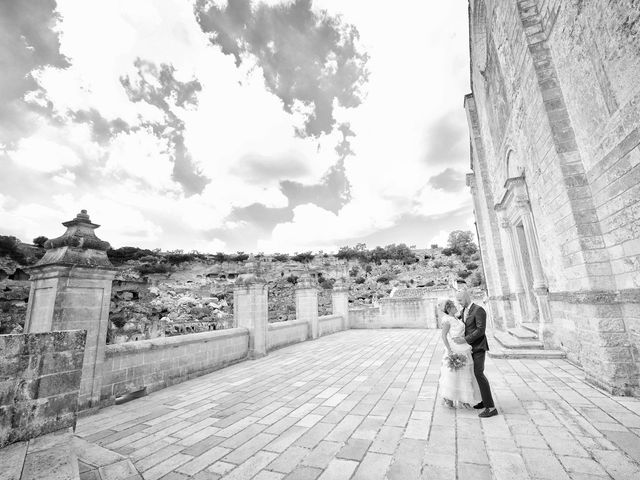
(445, 330)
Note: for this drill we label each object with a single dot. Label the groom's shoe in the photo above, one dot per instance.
(479, 406)
(488, 412)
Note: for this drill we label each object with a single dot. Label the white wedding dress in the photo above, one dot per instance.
(459, 386)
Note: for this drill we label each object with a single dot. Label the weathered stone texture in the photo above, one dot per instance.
(160, 362)
(556, 101)
(39, 383)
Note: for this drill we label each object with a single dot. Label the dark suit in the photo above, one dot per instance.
(474, 334)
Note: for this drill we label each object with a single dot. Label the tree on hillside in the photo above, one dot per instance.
(281, 257)
(39, 241)
(304, 257)
(9, 248)
(239, 257)
(221, 257)
(461, 242)
(124, 254)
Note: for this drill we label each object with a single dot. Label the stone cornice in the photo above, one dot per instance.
(514, 188)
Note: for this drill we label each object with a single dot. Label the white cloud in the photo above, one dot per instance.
(418, 74)
(43, 155)
(441, 239)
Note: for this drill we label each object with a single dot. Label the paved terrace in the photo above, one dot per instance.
(362, 404)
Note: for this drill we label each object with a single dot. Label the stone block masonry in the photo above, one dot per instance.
(286, 333)
(554, 124)
(154, 364)
(39, 383)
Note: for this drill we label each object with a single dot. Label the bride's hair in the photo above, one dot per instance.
(447, 305)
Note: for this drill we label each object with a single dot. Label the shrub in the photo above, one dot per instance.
(118, 321)
(354, 271)
(292, 279)
(383, 279)
(462, 241)
(239, 257)
(221, 257)
(304, 257)
(124, 254)
(178, 258)
(471, 266)
(149, 268)
(360, 280)
(9, 248)
(475, 257)
(438, 264)
(39, 241)
(368, 269)
(463, 273)
(326, 283)
(476, 279)
(281, 257)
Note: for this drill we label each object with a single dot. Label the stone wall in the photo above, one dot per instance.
(364, 316)
(556, 104)
(396, 313)
(39, 383)
(330, 324)
(160, 362)
(281, 334)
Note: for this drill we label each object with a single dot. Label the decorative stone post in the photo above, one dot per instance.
(340, 302)
(71, 290)
(251, 310)
(307, 303)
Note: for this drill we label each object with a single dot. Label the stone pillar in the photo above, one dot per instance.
(307, 304)
(539, 279)
(71, 290)
(515, 276)
(251, 311)
(540, 287)
(340, 302)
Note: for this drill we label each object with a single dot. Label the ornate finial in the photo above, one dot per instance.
(79, 245)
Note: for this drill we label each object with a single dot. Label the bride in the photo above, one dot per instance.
(457, 387)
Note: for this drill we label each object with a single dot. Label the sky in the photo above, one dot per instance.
(275, 126)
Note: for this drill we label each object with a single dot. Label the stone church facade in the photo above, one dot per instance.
(554, 121)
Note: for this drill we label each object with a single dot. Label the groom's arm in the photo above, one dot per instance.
(481, 325)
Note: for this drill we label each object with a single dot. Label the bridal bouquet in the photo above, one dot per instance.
(456, 361)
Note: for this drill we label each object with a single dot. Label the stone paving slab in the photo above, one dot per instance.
(364, 404)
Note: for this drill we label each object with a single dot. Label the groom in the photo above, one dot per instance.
(475, 321)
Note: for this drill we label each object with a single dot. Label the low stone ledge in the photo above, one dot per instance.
(287, 324)
(281, 334)
(165, 342)
(150, 365)
(330, 324)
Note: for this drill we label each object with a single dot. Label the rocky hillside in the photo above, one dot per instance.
(170, 293)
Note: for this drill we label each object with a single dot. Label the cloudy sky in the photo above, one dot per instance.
(256, 126)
